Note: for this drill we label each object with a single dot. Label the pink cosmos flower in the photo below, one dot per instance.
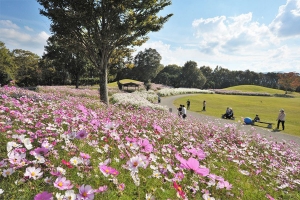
(224, 184)
(157, 128)
(146, 146)
(84, 155)
(3, 163)
(270, 197)
(197, 152)
(192, 164)
(43, 196)
(81, 134)
(33, 172)
(179, 176)
(62, 183)
(86, 193)
(85, 158)
(106, 170)
(121, 186)
(101, 189)
(41, 150)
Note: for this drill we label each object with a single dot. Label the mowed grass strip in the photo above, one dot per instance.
(260, 89)
(248, 106)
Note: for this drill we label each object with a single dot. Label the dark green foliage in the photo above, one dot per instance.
(146, 64)
(191, 76)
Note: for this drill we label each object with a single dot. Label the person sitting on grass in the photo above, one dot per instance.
(228, 114)
(256, 119)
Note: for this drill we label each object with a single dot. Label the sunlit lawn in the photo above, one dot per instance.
(248, 106)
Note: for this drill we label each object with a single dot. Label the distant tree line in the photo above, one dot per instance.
(63, 65)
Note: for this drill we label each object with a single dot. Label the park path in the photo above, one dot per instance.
(268, 133)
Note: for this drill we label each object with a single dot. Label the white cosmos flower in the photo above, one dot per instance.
(39, 158)
(61, 170)
(8, 172)
(244, 172)
(70, 195)
(11, 145)
(33, 172)
(48, 180)
(27, 143)
(1, 191)
(75, 161)
(59, 196)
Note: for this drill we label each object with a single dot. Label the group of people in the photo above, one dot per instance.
(182, 111)
(280, 119)
(229, 114)
(188, 104)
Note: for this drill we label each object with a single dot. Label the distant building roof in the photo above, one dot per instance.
(131, 84)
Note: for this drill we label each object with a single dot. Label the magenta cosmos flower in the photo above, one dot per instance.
(146, 146)
(86, 193)
(106, 170)
(81, 134)
(62, 183)
(192, 164)
(43, 196)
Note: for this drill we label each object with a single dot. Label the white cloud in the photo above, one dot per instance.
(8, 24)
(240, 43)
(232, 34)
(16, 38)
(286, 23)
(28, 28)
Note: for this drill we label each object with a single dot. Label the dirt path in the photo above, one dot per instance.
(268, 133)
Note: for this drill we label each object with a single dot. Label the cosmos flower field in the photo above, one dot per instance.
(61, 143)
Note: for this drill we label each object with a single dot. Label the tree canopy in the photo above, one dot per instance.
(289, 80)
(146, 64)
(101, 27)
(7, 67)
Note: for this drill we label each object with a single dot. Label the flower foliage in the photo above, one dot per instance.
(74, 147)
(177, 91)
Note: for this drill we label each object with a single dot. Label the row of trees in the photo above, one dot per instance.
(61, 66)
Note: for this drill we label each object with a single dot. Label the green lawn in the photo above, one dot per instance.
(248, 106)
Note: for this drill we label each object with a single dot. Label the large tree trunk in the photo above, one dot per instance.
(103, 84)
(77, 80)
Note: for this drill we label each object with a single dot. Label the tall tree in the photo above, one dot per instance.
(192, 76)
(7, 66)
(28, 73)
(289, 80)
(67, 59)
(103, 26)
(147, 64)
(169, 75)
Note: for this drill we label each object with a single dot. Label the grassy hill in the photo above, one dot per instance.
(261, 89)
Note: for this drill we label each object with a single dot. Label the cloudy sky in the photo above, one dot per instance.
(259, 35)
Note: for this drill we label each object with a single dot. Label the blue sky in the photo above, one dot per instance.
(259, 35)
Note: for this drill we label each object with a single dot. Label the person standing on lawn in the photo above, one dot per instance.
(188, 103)
(183, 112)
(204, 106)
(281, 119)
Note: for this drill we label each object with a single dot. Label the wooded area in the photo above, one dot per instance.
(59, 68)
